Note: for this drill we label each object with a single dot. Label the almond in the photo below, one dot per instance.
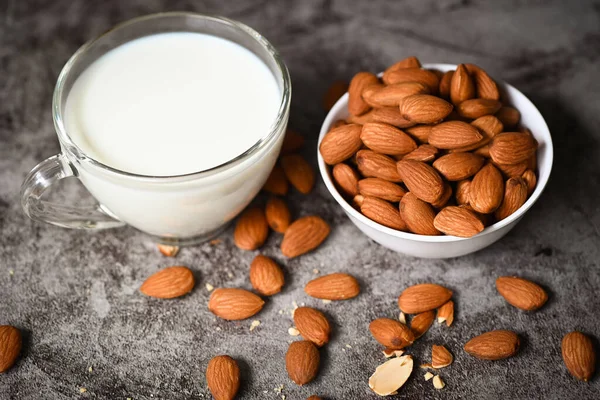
(423, 297)
(512, 170)
(360, 119)
(251, 230)
(424, 153)
(391, 333)
(445, 83)
(461, 86)
(421, 179)
(462, 192)
(375, 165)
(356, 104)
(265, 276)
(476, 108)
(302, 362)
(337, 123)
(418, 215)
(292, 142)
(303, 235)
(531, 180)
(377, 187)
(313, 325)
(223, 377)
(446, 313)
(409, 62)
(440, 357)
(392, 95)
(418, 75)
(420, 132)
(10, 346)
(458, 221)
(509, 116)
(424, 108)
(483, 151)
(346, 178)
(337, 286)
(277, 214)
(390, 116)
(421, 323)
(443, 201)
(485, 86)
(515, 195)
(512, 147)
(276, 182)
(340, 143)
(314, 398)
(333, 94)
(391, 375)
(458, 166)
(578, 355)
(169, 251)
(234, 304)
(299, 172)
(454, 135)
(521, 293)
(169, 283)
(386, 139)
(493, 345)
(487, 190)
(382, 212)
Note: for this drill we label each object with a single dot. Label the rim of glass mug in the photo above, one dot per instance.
(72, 148)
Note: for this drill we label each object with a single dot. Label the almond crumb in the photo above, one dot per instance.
(424, 366)
(348, 346)
(11, 272)
(326, 301)
(82, 390)
(315, 271)
(229, 275)
(254, 325)
(209, 287)
(402, 318)
(438, 383)
(428, 375)
(90, 369)
(293, 331)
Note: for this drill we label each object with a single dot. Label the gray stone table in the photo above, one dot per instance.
(75, 294)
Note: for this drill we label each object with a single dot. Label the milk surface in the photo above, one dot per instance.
(172, 104)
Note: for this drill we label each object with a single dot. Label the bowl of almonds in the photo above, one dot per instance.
(434, 160)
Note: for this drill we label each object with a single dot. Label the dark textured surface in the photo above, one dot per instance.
(75, 295)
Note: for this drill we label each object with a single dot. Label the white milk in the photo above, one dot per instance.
(172, 104)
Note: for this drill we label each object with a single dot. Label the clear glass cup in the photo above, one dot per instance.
(182, 209)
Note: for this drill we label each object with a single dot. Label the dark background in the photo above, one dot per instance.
(75, 295)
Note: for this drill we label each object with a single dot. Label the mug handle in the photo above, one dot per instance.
(41, 178)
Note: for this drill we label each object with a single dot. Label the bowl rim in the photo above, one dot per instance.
(353, 213)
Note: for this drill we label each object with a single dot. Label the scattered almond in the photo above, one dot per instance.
(277, 182)
(346, 178)
(299, 172)
(438, 383)
(421, 323)
(223, 377)
(265, 276)
(169, 283)
(304, 235)
(428, 375)
(277, 214)
(391, 333)
(391, 375)
(493, 345)
(440, 357)
(337, 286)
(10, 346)
(302, 362)
(251, 230)
(169, 251)
(312, 325)
(521, 293)
(578, 354)
(446, 313)
(234, 304)
(423, 297)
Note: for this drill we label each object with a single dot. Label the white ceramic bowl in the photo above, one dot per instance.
(447, 246)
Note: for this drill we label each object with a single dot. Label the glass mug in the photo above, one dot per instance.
(181, 209)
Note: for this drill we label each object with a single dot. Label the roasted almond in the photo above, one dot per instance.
(445, 83)
(424, 153)
(302, 362)
(299, 172)
(386, 139)
(382, 212)
(333, 94)
(292, 142)
(340, 143)
(509, 116)
(461, 86)
(303, 235)
(390, 116)
(458, 221)
(251, 229)
(420, 132)
(277, 182)
(423, 297)
(337, 286)
(421, 179)
(391, 375)
(10, 346)
(409, 62)
(234, 304)
(512, 147)
(418, 215)
(493, 345)
(375, 165)
(377, 187)
(392, 95)
(440, 357)
(169, 283)
(515, 195)
(521, 293)
(531, 180)
(424, 108)
(356, 104)
(486, 87)
(487, 190)
(454, 135)
(346, 178)
(223, 377)
(446, 313)
(475, 108)
(266, 276)
(418, 75)
(421, 323)
(169, 251)
(578, 354)
(443, 201)
(458, 166)
(277, 214)
(312, 324)
(391, 333)
(462, 192)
